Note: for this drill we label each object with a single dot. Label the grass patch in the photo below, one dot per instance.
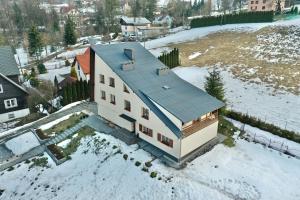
(75, 142)
(65, 124)
(40, 133)
(29, 118)
(39, 162)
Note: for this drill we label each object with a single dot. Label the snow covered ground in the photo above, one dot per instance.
(196, 33)
(22, 143)
(59, 73)
(252, 98)
(98, 171)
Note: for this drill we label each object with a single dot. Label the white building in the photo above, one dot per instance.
(130, 25)
(82, 65)
(135, 91)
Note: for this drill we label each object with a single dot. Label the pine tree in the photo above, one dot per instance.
(69, 35)
(73, 72)
(86, 92)
(56, 83)
(35, 41)
(69, 95)
(65, 96)
(78, 89)
(74, 92)
(82, 89)
(214, 85)
(55, 21)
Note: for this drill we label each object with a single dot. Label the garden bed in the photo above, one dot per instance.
(56, 154)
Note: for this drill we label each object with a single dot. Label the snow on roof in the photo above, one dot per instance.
(135, 21)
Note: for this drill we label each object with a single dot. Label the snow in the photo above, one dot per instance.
(72, 53)
(71, 105)
(278, 108)
(247, 171)
(64, 143)
(51, 124)
(21, 144)
(194, 55)
(59, 73)
(196, 33)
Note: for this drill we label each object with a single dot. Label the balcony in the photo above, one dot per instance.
(198, 125)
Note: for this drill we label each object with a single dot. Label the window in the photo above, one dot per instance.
(103, 95)
(145, 113)
(125, 89)
(264, 7)
(165, 140)
(145, 130)
(112, 99)
(1, 88)
(252, 2)
(101, 77)
(256, 2)
(127, 105)
(264, 1)
(111, 82)
(10, 103)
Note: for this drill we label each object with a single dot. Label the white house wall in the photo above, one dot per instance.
(80, 73)
(17, 114)
(112, 112)
(192, 142)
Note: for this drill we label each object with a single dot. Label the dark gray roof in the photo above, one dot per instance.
(183, 100)
(8, 65)
(135, 21)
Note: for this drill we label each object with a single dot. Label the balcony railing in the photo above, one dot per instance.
(196, 126)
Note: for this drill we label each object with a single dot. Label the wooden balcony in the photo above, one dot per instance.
(198, 125)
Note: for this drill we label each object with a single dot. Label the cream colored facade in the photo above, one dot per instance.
(263, 5)
(181, 146)
(127, 30)
(80, 73)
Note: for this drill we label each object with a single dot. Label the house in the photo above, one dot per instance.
(264, 5)
(130, 25)
(82, 65)
(13, 98)
(137, 92)
(163, 20)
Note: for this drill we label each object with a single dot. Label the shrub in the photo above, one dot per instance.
(41, 134)
(27, 161)
(153, 174)
(229, 141)
(55, 150)
(40, 162)
(137, 163)
(114, 147)
(34, 82)
(67, 63)
(145, 169)
(148, 164)
(125, 156)
(245, 17)
(255, 122)
(41, 68)
(10, 168)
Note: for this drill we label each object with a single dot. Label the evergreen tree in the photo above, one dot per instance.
(65, 96)
(55, 21)
(73, 72)
(35, 41)
(74, 92)
(135, 8)
(18, 18)
(81, 89)
(78, 89)
(41, 68)
(56, 83)
(214, 85)
(86, 89)
(69, 35)
(69, 93)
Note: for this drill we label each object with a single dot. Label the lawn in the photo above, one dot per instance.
(269, 55)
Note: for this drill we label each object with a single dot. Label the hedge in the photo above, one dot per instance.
(255, 122)
(244, 17)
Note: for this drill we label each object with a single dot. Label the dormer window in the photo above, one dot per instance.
(145, 113)
(1, 88)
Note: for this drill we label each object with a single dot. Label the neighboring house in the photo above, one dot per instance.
(130, 25)
(264, 5)
(13, 98)
(163, 20)
(135, 91)
(82, 65)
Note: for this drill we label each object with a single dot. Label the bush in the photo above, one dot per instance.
(229, 141)
(246, 17)
(41, 68)
(153, 174)
(125, 156)
(137, 163)
(148, 164)
(255, 122)
(10, 168)
(40, 162)
(145, 169)
(34, 82)
(67, 63)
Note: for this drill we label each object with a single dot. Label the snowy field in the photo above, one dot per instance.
(59, 73)
(254, 99)
(98, 171)
(196, 33)
(22, 143)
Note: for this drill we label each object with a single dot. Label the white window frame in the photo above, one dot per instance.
(1, 88)
(10, 103)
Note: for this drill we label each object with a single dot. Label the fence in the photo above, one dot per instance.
(275, 144)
